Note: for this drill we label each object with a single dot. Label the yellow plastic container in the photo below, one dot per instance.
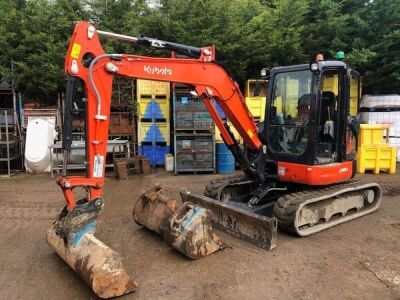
(376, 158)
(149, 108)
(152, 88)
(153, 132)
(373, 135)
(255, 100)
(218, 138)
(256, 106)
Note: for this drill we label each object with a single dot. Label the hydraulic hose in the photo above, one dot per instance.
(91, 80)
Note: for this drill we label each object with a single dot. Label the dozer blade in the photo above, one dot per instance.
(253, 228)
(186, 229)
(97, 264)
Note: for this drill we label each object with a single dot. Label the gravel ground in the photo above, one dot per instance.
(339, 263)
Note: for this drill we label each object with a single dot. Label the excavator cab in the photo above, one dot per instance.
(312, 119)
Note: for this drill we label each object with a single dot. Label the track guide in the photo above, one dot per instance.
(310, 211)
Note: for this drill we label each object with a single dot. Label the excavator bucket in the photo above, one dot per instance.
(253, 228)
(97, 264)
(187, 229)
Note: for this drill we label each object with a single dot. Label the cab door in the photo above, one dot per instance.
(352, 114)
(329, 127)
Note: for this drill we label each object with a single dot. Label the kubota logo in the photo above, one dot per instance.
(157, 70)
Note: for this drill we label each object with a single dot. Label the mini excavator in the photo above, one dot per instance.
(298, 163)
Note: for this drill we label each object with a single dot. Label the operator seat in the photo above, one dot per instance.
(327, 101)
(327, 113)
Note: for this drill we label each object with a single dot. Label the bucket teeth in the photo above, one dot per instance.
(97, 264)
(187, 229)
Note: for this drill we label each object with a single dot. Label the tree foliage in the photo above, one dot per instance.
(248, 34)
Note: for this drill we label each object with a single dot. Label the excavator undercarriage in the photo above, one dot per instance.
(299, 209)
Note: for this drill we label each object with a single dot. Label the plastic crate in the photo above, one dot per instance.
(203, 144)
(203, 124)
(121, 123)
(373, 134)
(392, 118)
(150, 109)
(184, 119)
(184, 124)
(152, 88)
(184, 144)
(376, 158)
(154, 153)
(179, 106)
(201, 115)
(184, 161)
(154, 132)
(204, 160)
(195, 143)
(256, 106)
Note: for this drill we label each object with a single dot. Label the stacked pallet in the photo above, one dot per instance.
(193, 133)
(122, 121)
(153, 120)
(383, 109)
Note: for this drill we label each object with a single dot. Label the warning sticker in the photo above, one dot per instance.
(76, 50)
(250, 133)
(98, 166)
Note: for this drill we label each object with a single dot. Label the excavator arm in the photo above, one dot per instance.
(87, 60)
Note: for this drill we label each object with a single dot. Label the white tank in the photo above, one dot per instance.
(40, 134)
(169, 162)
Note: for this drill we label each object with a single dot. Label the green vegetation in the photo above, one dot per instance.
(248, 34)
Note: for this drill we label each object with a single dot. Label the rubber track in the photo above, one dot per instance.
(213, 188)
(286, 206)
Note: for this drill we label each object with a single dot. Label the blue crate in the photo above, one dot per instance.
(154, 153)
(153, 132)
(155, 110)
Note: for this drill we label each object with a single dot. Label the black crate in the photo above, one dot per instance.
(203, 144)
(184, 124)
(204, 123)
(184, 161)
(184, 144)
(204, 160)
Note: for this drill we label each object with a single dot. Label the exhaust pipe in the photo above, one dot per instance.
(187, 229)
(97, 264)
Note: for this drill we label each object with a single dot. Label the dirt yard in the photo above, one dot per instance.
(341, 263)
